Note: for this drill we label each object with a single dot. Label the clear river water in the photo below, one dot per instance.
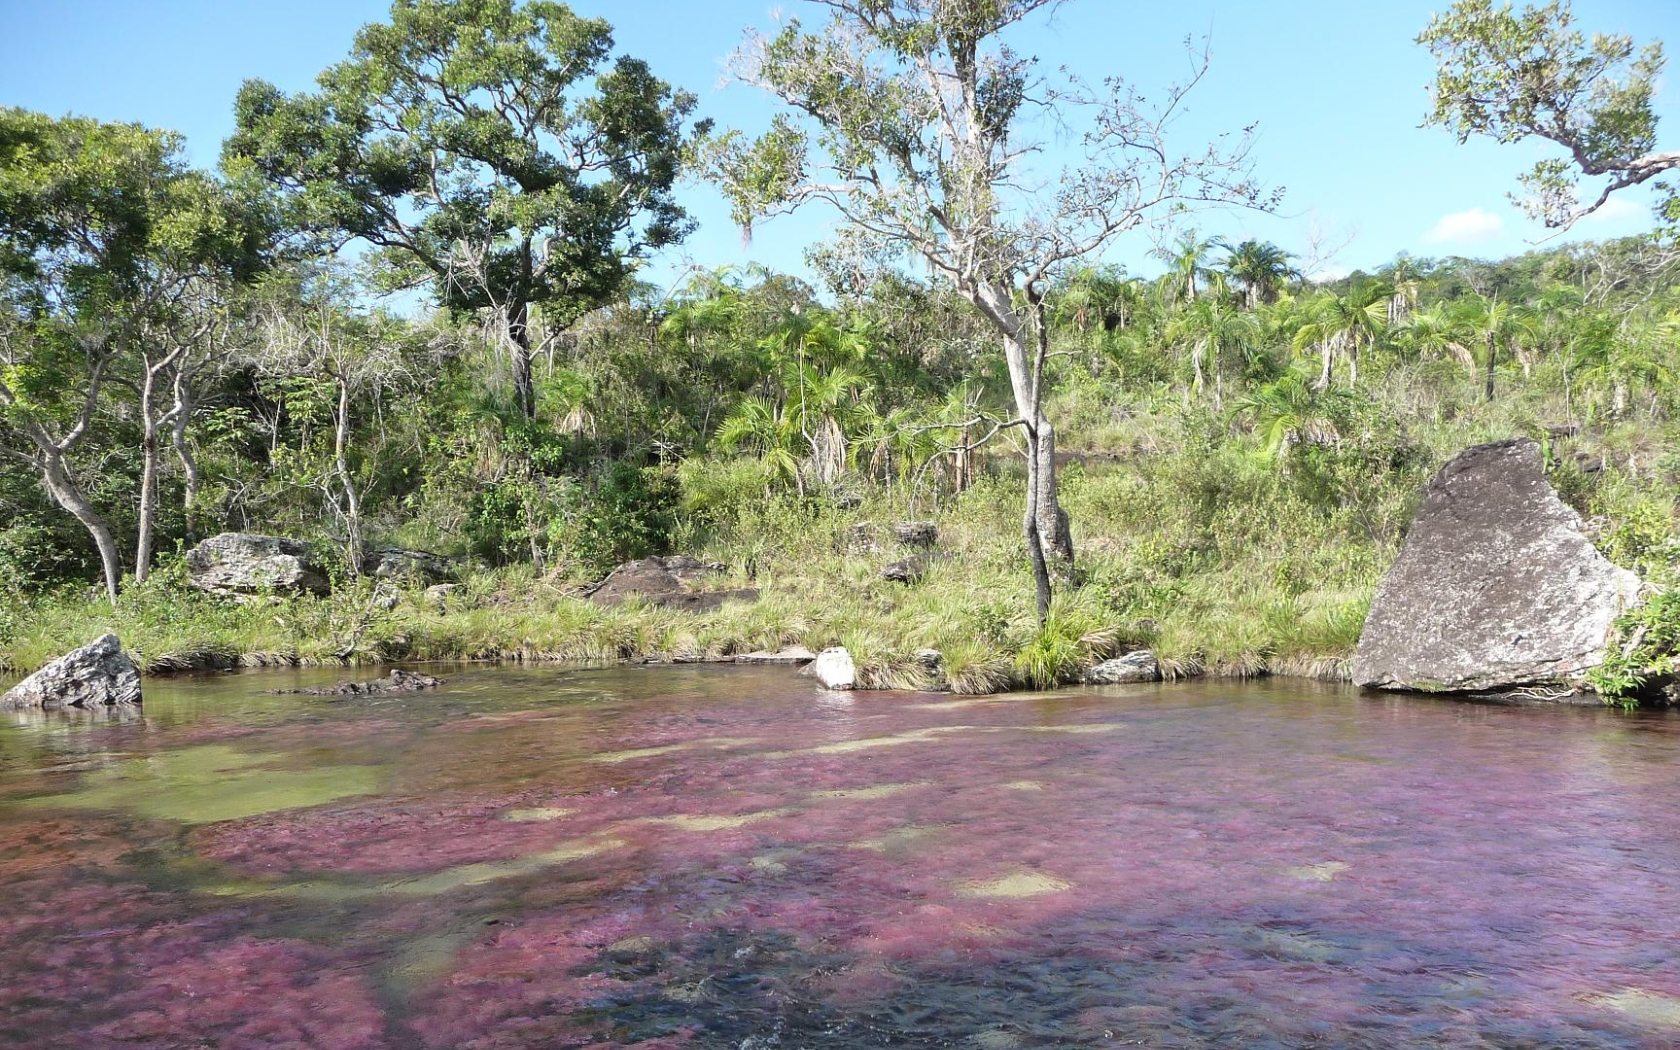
(726, 857)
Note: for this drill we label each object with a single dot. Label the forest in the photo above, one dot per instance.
(410, 312)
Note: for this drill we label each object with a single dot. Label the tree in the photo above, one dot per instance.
(311, 336)
(468, 142)
(1341, 325)
(910, 118)
(1515, 75)
(105, 235)
(1261, 268)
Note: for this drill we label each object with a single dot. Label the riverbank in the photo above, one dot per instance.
(1221, 560)
(1208, 588)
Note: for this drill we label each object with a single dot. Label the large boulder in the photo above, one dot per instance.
(1496, 586)
(665, 581)
(1138, 666)
(242, 563)
(96, 676)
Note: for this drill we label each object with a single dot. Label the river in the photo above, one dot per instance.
(726, 857)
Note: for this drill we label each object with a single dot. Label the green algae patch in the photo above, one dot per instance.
(1325, 872)
(716, 742)
(203, 785)
(1647, 1008)
(865, 793)
(459, 877)
(1023, 785)
(710, 822)
(1016, 885)
(869, 743)
(535, 813)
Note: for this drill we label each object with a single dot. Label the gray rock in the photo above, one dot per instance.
(665, 582)
(241, 563)
(1496, 586)
(438, 594)
(395, 563)
(1139, 666)
(98, 675)
(861, 538)
(834, 669)
(386, 596)
(917, 533)
(907, 570)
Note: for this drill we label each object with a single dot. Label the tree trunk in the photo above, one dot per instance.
(519, 333)
(183, 451)
(352, 500)
(148, 477)
(1492, 359)
(56, 475)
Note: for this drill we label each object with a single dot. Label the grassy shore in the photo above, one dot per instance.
(1222, 559)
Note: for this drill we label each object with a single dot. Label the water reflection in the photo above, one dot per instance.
(706, 858)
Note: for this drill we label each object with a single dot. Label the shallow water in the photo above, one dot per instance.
(723, 857)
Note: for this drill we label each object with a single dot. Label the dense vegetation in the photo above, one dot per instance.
(1240, 448)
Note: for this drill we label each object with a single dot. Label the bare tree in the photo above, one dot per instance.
(919, 110)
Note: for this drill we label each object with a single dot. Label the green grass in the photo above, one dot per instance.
(1191, 542)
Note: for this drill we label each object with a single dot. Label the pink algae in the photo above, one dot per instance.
(1192, 867)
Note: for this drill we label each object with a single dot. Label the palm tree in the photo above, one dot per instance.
(1340, 325)
(1186, 262)
(1213, 331)
(1493, 322)
(1261, 267)
(1289, 411)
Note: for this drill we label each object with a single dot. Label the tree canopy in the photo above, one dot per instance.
(496, 149)
(1512, 75)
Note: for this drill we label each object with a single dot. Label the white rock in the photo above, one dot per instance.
(834, 669)
(97, 675)
(1139, 666)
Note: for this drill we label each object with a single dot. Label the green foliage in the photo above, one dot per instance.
(631, 513)
(1512, 75)
(1651, 651)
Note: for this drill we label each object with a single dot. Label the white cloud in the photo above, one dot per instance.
(1618, 209)
(1465, 227)
(1329, 273)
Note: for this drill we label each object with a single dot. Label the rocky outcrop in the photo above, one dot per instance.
(1139, 666)
(916, 533)
(98, 675)
(666, 582)
(415, 567)
(1496, 586)
(398, 681)
(242, 564)
(834, 669)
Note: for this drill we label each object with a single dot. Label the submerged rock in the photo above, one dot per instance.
(1496, 587)
(834, 669)
(398, 681)
(1139, 666)
(793, 654)
(98, 675)
(243, 563)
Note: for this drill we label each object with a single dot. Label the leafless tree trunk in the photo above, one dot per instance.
(352, 498)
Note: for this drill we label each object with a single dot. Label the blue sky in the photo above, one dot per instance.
(1337, 86)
